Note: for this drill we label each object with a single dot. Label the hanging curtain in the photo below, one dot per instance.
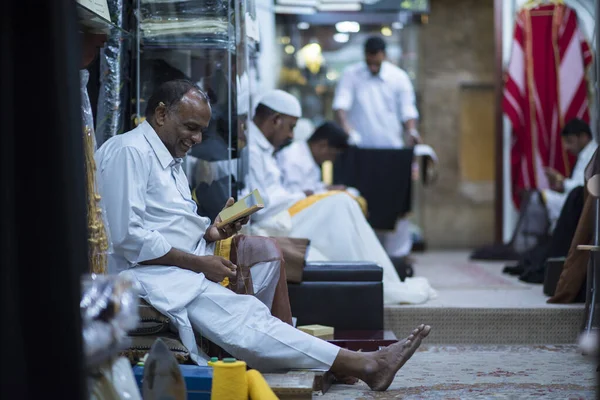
(114, 64)
(43, 245)
(545, 87)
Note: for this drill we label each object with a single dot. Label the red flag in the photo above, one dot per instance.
(545, 87)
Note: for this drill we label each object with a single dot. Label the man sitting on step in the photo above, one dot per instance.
(562, 202)
(332, 221)
(160, 241)
(301, 161)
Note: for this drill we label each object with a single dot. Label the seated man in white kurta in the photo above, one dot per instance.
(160, 241)
(332, 221)
(577, 140)
(301, 161)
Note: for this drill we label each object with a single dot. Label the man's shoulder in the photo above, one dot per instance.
(394, 72)
(295, 146)
(289, 153)
(355, 68)
(129, 142)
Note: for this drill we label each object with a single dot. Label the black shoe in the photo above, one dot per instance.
(403, 267)
(514, 269)
(532, 276)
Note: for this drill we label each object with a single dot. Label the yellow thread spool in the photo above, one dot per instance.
(212, 361)
(229, 380)
(258, 388)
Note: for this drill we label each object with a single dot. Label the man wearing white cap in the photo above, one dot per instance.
(332, 221)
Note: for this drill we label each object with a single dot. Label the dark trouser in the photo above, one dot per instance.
(534, 261)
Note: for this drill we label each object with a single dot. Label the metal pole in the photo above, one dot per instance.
(499, 124)
(597, 88)
(138, 18)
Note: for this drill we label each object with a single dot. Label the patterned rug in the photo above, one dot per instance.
(454, 271)
(486, 372)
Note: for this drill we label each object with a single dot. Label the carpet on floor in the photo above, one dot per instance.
(456, 274)
(485, 372)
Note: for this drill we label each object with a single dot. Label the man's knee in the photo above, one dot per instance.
(256, 249)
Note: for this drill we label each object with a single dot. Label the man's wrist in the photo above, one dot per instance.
(194, 263)
(207, 235)
(413, 132)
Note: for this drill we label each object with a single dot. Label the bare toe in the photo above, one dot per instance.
(391, 359)
(425, 332)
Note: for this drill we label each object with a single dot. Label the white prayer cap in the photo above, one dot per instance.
(282, 102)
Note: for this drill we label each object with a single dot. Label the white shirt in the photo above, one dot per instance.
(300, 172)
(265, 176)
(148, 203)
(583, 159)
(376, 106)
(556, 200)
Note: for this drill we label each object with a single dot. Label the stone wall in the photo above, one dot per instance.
(456, 49)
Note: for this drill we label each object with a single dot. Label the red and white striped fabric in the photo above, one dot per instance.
(545, 87)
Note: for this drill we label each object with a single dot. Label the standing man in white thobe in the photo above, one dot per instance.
(375, 104)
(333, 221)
(162, 243)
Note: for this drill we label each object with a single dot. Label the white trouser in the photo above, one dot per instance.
(265, 277)
(399, 242)
(242, 325)
(245, 328)
(338, 231)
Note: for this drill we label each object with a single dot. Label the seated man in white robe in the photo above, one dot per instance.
(332, 221)
(160, 242)
(301, 161)
(577, 140)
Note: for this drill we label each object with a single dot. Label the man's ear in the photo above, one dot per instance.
(160, 114)
(277, 119)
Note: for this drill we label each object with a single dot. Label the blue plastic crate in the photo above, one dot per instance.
(198, 380)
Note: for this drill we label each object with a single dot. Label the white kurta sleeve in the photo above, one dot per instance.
(576, 179)
(298, 173)
(344, 92)
(124, 180)
(406, 99)
(264, 176)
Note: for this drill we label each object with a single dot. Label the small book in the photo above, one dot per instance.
(320, 331)
(247, 205)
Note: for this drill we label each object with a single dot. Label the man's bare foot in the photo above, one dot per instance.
(380, 372)
(345, 379)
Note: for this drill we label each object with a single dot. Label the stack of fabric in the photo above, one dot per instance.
(153, 325)
(108, 311)
(176, 22)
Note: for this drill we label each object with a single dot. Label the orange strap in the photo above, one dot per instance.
(310, 200)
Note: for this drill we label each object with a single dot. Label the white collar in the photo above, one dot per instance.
(384, 72)
(588, 149)
(160, 150)
(259, 138)
(306, 149)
